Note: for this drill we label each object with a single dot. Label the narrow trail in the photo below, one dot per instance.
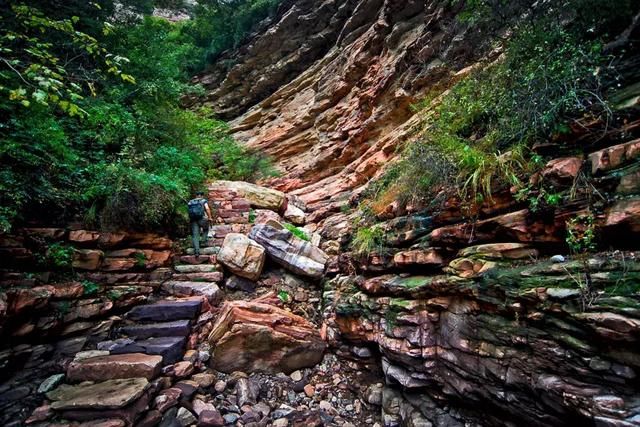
(248, 354)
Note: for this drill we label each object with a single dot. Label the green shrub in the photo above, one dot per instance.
(133, 155)
(220, 25)
(141, 259)
(368, 240)
(296, 231)
(90, 288)
(59, 256)
(581, 236)
(284, 296)
(478, 137)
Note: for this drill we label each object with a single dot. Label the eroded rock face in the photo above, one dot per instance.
(259, 197)
(517, 333)
(256, 337)
(243, 256)
(291, 252)
(325, 90)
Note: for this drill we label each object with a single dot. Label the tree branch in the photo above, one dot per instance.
(623, 38)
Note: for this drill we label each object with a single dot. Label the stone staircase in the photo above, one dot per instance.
(148, 349)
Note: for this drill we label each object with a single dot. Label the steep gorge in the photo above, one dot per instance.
(326, 90)
(472, 325)
(465, 317)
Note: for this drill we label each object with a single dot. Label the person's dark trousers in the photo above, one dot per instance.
(198, 228)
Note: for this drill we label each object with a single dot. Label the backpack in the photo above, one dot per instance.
(196, 209)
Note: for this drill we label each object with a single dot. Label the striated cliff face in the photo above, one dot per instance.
(326, 89)
(471, 323)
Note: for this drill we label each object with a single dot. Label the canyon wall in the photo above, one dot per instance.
(473, 323)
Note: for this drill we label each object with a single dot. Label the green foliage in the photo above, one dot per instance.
(284, 296)
(479, 136)
(59, 256)
(368, 240)
(63, 307)
(252, 216)
(140, 258)
(581, 236)
(90, 288)
(34, 73)
(223, 24)
(131, 155)
(298, 232)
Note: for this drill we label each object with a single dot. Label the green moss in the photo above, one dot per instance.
(90, 288)
(296, 231)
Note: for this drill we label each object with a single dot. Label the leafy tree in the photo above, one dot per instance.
(94, 127)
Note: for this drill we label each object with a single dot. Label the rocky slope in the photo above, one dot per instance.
(326, 90)
(472, 323)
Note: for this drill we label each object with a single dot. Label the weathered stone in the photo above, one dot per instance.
(179, 328)
(624, 215)
(50, 383)
(168, 398)
(183, 369)
(259, 197)
(562, 171)
(500, 251)
(247, 391)
(423, 257)
(204, 379)
(115, 366)
(294, 215)
(170, 348)
(208, 418)
(254, 337)
(185, 417)
(166, 311)
(290, 251)
(239, 283)
(111, 394)
(242, 256)
(210, 291)
(84, 237)
(614, 157)
(203, 268)
(87, 259)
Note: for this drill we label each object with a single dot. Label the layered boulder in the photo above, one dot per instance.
(259, 197)
(257, 337)
(242, 256)
(293, 253)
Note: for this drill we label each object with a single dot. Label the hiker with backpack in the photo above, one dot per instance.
(200, 216)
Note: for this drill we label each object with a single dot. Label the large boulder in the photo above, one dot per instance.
(255, 337)
(242, 256)
(291, 252)
(259, 197)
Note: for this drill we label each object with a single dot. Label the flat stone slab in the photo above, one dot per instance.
(111, 394)
(170, 348)
(115, 366)
(166, 311)
(176, 328)
(209, 250)
(202, 268)
(214, 276)
(186, 289)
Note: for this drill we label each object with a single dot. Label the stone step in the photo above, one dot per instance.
(166, 310)
(176, 328)
(210, 250)
(214, 277)
(203, 268)
(121, 398)
(114, 366)
(194, 260)
(211, 291)
(170, 348)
